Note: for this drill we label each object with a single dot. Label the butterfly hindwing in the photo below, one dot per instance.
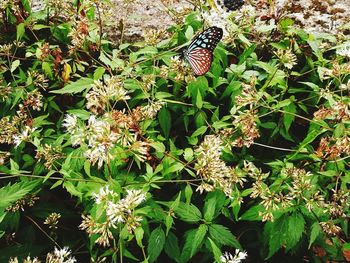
(199, 53)
(200, 60)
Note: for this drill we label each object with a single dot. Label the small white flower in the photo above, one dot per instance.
(121, 211)
(135, 197)
(23, 136)
(344, 52)
(62, 255)
(70, 122)
(103, 194)
(236, 258)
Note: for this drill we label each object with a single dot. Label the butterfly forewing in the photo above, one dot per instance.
(208, 39)
(199, 54)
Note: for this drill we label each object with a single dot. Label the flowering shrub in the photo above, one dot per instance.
(122, 154)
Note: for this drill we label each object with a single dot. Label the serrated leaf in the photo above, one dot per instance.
(172, 248)
(222, 235)
(277, 234)
(99, 73)
(252, 214)
(11, 193)
(296, 224)
(199, 235)
(216, 251)
(188, 213)
(155, 244)
(315, 232)
(209, 209)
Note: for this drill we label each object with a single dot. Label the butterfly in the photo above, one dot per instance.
(231, 5)
(199, 53)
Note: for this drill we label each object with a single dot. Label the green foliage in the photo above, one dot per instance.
(120, 152)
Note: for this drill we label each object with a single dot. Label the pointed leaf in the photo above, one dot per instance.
(155, 244)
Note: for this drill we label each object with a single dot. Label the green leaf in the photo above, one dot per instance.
(199, 100)
(246, 53)
(99, 73)
(296, 224)
(188, 213)
(139, 236)
(47, 69)
(315, 232)
(14, 65)
(188, 193)
(165, 121)
(172, 248)
(199, 131)
(209, 209)
(216, 251)
(222, 235)
(287, 117)
(252, 214)
(11, 193)
(20, 31)
(75, 87)
(277, 234)
(200, 233)
(155, 244)
(213, 203)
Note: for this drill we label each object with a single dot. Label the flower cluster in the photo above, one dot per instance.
(34, 100)
(245, 122)
(249, 96)
(28, 200)
(286, 57)
(100, 95)
(154, 36)
(37, 79)
(25, 135)
(179, 68)
(60, 256)
(297, 180)
(49, 153)
(5, 91)
(60, 9)
(8, 129)
(52, 220)
(332, 148)
(212, 170)
(4, 157)
(79, 33)
(117, 213)
(122, 211)
(236, 258)
(339, 111)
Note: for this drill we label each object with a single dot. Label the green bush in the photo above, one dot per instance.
(122, 153)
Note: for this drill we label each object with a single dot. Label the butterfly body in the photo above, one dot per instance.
(199, 53)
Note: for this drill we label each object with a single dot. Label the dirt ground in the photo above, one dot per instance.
(314, 15)
(138, 16)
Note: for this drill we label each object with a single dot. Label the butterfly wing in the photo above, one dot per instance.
(199, 53)
(200, 60)
(208, 39)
